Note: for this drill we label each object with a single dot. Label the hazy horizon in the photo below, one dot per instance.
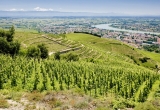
(124, 7)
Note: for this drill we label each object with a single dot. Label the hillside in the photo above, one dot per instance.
(108, 75)
(117, 48)
(88, 46)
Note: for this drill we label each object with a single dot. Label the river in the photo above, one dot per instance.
(108, 27)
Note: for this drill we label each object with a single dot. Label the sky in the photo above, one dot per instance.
(131, 7)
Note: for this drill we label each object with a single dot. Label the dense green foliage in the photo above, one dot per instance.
(57, 56)
(33, 52)
(7, 45)
(152, 48)
(128, 81)
(44, 50)
(38, 52)
(70, 57)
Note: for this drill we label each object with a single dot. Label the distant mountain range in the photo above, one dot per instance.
(57, 13)
(52, 14)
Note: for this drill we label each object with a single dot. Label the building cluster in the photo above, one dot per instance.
(135, 39)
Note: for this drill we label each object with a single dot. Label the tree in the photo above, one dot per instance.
(72, 57)
(4, 46)
(14, 48)
(57, 56)
(44, 51)
(40, 51)
(12, 31)
(34, 52)
(10, 34)
(2, 33)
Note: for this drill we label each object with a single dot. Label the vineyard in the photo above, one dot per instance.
(106, 68)
(58, 43)
(135, 83)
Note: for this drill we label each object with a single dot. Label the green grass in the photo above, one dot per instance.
(22, 36)
(118, 49)
(153, 90)
(154, 56)
(94, 47)
(32, 39)
(103, 43)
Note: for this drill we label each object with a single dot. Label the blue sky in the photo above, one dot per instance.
(133, 7)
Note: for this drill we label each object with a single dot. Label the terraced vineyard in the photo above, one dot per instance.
(116, 49)
(60, 44)
(86, 46)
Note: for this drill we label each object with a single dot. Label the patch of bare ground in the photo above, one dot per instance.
(61, 100)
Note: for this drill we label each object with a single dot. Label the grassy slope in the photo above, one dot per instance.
(32, 39)
(154, 56)
(114, 46)
(94, 47)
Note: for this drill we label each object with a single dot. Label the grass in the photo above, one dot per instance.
(4, 103)
(22, 36)
(14, 95)
(34, 96)
(103, 44)
(152, 55)
(145, 106)
(32, 39)
(81, 105)
(120, 50)
(153, 90)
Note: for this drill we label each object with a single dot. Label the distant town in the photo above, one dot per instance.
(63, 25)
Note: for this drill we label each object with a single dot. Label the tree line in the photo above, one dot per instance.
(11, 47)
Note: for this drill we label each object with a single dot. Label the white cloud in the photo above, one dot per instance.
(42, 9)
(13, 9)
(50, 9)
(22, 10)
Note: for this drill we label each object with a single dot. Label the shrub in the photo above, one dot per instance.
(71, 57)
(44, 50)
(14, 48)
(123, 103)
(4, 46)
(34, 52)
(40, 51)
(11, 48)
(143, 60)
(57, 56)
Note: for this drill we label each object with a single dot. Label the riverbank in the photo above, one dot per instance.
(108, 27)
